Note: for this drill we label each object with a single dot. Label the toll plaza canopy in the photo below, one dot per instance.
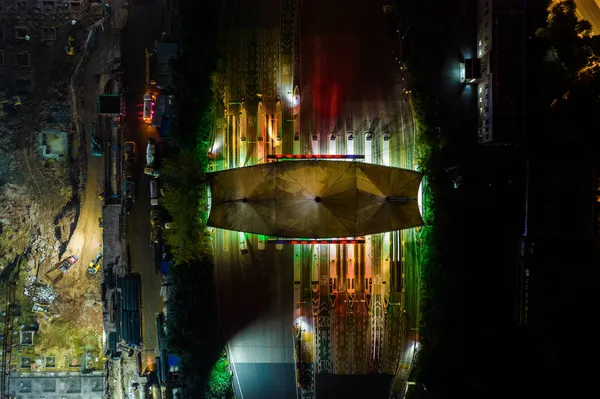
(320, 199)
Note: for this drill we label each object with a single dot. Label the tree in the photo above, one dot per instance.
(185, 199)
(566, 33)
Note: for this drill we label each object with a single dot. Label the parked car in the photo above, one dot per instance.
(129, 151)
(129, 190)
(130, 156)
(155, 218)
(150, 152)
(152, 172)
(151, 168)
(68, 263)
(154, 192)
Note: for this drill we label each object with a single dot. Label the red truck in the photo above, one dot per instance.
(68, 263)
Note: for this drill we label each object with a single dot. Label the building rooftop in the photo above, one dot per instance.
(68, 385)
(315, 199)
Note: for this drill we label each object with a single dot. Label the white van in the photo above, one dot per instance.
(154, 192)
(148, 104)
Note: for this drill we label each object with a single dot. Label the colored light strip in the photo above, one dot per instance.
(295, 241)
(324, 156)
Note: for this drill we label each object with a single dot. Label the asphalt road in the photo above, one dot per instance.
(142, 29)
(256, 313)
(349, 81)
(589, 10)
(255, 290)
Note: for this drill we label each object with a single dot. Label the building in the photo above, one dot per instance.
(66, 385)
(320, 199)
(34, 30)
(501, 57)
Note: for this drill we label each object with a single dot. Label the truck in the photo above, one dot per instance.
(68, 263)
(9, 105)
(165, 128)
(95, 264)
(56, 274)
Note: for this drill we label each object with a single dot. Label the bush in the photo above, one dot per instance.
(219, 385)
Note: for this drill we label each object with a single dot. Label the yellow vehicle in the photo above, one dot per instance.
(13, 104)
(70, 49)
(95, 264)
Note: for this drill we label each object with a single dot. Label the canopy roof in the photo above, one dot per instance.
(320, 199)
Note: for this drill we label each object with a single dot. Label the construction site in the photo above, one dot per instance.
(56, 59)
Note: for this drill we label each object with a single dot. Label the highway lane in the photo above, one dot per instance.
(142, 29)
(343, 89)
(255, 290)
(350, 80)
(256, 308)
(590, 11)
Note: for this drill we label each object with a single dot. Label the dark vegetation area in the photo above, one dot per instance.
(471, 344)
(193, 330)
